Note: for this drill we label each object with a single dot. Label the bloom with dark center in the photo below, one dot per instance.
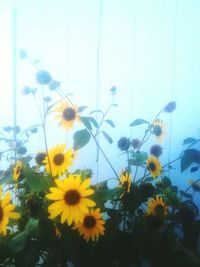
(135, 143)
(170, 107)
(58, 160)
(43, 77)
(6, 212)
(158, 126)
(17, 170)
(154, 166)
(156, 206)
(40, 157)
(147, 190)
(124, 143)
(92, 225)
(67, 114)
(156, 150)
(70, 199)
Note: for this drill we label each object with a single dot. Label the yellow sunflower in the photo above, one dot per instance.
(59, 161)
(17, 170)
(70, 198)
(158, 126)
(125, 181)
(154, 166)
(92, 225)
(156, 206)
(6, 212)
(67, 114)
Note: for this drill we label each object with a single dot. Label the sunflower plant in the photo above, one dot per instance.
(52, 216)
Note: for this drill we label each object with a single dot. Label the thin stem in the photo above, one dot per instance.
(98, 145)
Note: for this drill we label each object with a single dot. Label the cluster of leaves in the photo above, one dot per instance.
(131, 236)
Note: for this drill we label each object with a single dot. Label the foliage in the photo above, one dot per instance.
(144, 218)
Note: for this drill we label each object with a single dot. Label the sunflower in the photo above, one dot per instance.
(125, 181)
(6, 212)
(67, 114)
(92, 225)
(156, 206)
(58, 161)
(158, 126)
(70, 198)
(17, 170)
(154, 166)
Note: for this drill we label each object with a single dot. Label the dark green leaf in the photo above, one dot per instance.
(184, 194)
(189, 140)
(96, 111)
(37, 181)
(108, 138)
(81, 108)
(111, 123)
(32, 227)
(93, 121)
(80, 139)
(138, 158)
(17, 242)
(138, 122)
(194, 169)
(186, 161)
(86, 122)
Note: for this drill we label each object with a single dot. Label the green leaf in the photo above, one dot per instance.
(81, 108)
(17, 242)
(190, 156)
(138, 158)
(32, 227)
(86, 122)
(93, 121)
(111, 123)
(186, 161)
(96, 111)
(138, 122)
(189, 140)
(108, 138)
(184, 194)
(37, 182)
(80, 139)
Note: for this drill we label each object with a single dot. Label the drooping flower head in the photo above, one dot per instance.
(40, 157)
(124, 143)
(43, 77)
(135, 143)
(6, 212)
(92, 225)
(70, 199)
(156, 206)
(58, 160)
(67, 114)
(17, 170)
(156, 150)
(158, 126)
(170, 107)
(125, 181)
(154, 166)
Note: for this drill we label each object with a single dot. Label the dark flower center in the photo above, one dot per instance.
(40, 157)
(152, 166)
(89, 222)
(157, 130)
(1, 214)
(18, 169)
(159, 209)
(72, 197)
(69, 114)
(58, 159)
